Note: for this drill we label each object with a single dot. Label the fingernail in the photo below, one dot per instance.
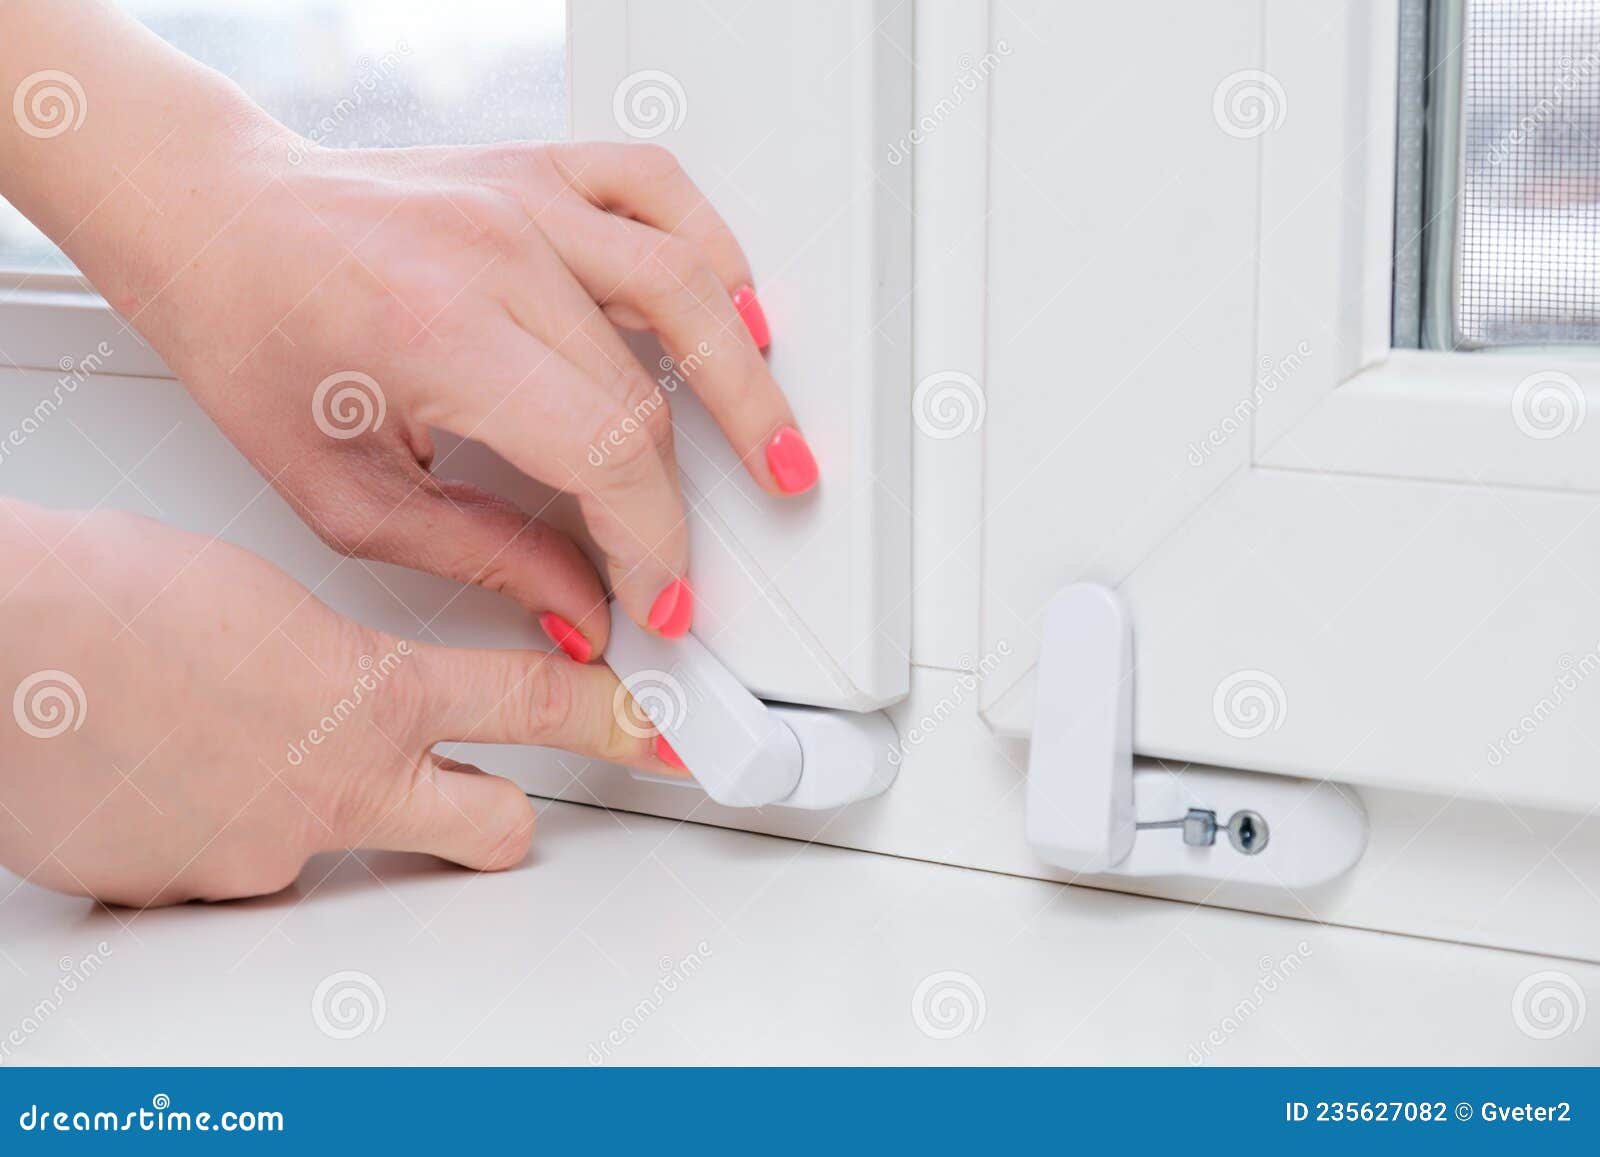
(754, 319)
(564, 635)
(790, 460)
(673, 610)
(666, 755)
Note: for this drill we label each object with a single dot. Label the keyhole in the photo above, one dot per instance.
(1247, 832)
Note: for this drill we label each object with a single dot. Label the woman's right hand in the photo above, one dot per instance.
(188, 722)
(329, 307)
(479, 290)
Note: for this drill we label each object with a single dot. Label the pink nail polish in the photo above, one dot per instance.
(790, 460)
(673, 610)
(564, 635)
(666, 755)
(755, 320)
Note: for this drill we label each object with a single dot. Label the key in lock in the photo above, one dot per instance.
(1247, 830)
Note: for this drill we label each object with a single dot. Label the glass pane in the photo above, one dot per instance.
(1512, 240)
(365, 73)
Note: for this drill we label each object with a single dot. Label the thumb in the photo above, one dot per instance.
(459, 813)
(531, 697)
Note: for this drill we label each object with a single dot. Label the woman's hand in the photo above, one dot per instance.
(326, 312)
(188, 722)
(326, 307)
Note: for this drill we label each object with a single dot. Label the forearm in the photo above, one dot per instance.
(114, 133)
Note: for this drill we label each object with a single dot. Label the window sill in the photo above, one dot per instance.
(58, 322)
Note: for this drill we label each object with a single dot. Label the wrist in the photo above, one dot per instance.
(122, 149)
(187, 189)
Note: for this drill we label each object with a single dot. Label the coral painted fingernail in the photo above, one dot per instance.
(673, 610)
(754, 319)
(790, 460)
(666, 755)
(564, 635)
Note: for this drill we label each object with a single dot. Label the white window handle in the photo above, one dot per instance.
(743, 752)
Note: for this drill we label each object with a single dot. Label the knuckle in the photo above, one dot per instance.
(498, 575)
(398, 692)
(720, 239)
(626, 450)
(654, 162)
(618, 745)
(671, 267)
(516, 159)
(546, 693)
(645, 401)
(469, 215)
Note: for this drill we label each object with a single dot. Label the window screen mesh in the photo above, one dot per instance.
(1527, 265)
